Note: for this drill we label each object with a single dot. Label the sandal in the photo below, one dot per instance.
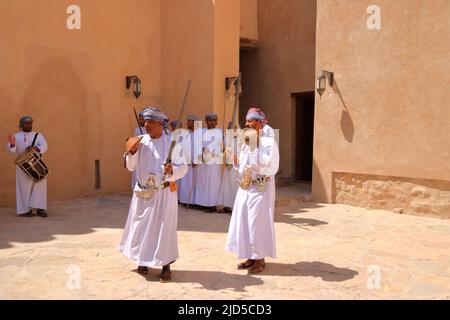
(257, 267)
(245, 265)
(166, 275)
(142, 270)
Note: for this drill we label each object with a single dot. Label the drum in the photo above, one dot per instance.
(33, 165)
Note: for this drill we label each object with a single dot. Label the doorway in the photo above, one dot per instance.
(304, 135)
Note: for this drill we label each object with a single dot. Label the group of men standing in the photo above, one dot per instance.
(150, 238)
(236, 172)
(208, 185)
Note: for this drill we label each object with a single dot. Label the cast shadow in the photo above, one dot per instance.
(347, 127)
(209, 280)
(325, 271)
(288, 215)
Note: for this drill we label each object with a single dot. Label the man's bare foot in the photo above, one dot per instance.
(166, 274)
(142, 270)
(258, 266)
(247, 264)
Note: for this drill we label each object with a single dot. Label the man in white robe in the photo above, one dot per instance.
(209, 173)
(186, 185)
(251, 233)
(150, 235)
(29, 194)
(139, 131)
(230, 176)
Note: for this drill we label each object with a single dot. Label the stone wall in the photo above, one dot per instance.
(401, 195)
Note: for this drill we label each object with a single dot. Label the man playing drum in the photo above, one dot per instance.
(29, 194)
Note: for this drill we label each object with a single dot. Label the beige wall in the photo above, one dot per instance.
(187, 53)
(282, 64)
(226, 55)
(249, 19)
(200, 41)
(72, 82)
(388, 114)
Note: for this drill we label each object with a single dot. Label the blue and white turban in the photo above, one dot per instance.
(155, 114)
(193, 117)
(23, 120)
(211, 116)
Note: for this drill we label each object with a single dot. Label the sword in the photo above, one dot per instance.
(137, 120)
(174, 142)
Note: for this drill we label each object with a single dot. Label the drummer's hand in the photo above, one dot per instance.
(12, 140)
(168, 169)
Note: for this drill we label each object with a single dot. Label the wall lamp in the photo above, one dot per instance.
(321, 81)
(136, 85)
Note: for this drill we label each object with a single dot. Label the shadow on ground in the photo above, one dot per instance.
(75, 217)
(209, 280)
(83, 216)
(317, 269)
(289, 215)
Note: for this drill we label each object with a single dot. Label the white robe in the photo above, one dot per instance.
(137, 133)
(251, 234)
(29, 195)
(230, 179)
(229, 187)
(209, 173)
(186, 191)
(150, 235)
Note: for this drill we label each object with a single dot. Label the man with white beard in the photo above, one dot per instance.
(251, 233)
(150, 235)
(209, 173)
(29, 194)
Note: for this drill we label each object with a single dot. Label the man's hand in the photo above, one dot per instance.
(12, 140)
(168, 169)
(134, 149)
(37, 149)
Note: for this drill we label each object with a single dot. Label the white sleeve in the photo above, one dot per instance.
(11, 150)
(269, 159)
(41, 143)
(242, 162)
(179, 167)
(132, 161)
(179, 171)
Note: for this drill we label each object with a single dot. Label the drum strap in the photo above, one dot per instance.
(34, 140)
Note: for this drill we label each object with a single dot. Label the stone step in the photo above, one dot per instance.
(292, 195)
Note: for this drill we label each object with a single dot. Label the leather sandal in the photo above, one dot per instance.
(245, 265)
(257, 267)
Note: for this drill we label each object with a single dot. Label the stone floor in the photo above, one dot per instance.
(324, 252)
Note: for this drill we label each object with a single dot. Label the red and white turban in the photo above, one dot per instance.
(255, 113)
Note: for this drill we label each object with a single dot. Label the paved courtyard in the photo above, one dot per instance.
(324, 252)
